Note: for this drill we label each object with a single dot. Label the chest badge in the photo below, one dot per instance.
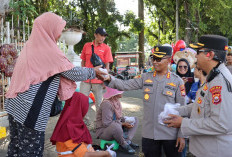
(169, 93)
(148, 81)
(168, 75)
(146, 96)
(171, 84)
(154, 74)
(205, 87)
(198, 110)
(216, 94)
(199, 101)
(146, 90)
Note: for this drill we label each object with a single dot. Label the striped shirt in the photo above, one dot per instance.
(19, 106)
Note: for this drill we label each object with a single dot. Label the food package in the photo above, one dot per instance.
(168, 109)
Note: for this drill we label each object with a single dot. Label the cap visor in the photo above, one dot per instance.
(159, 56)
(196, 45)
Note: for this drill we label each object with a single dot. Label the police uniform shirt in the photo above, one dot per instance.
(156, 93)
(210, 123)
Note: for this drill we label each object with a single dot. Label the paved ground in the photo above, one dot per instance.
(132, 106)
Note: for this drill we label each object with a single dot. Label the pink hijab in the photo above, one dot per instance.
(112, 95)
(41, 58)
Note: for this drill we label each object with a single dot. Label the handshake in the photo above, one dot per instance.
(102, 74)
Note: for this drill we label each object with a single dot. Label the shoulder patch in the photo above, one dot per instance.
(216, 94)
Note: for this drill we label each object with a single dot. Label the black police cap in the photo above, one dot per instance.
(161, 51)
(214, 42)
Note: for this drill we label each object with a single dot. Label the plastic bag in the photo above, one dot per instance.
(112, 153)
(168, 109)
(130, 120)
(95, 59)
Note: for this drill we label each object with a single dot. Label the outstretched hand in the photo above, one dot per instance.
(175, 121)
(101, 74)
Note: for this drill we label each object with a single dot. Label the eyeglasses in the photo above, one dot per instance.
(158, 59)
(180, 67)
(200, 51)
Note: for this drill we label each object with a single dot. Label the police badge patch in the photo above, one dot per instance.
(182, 90)
(216, 94)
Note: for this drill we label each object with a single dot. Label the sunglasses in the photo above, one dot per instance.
(180, 67)
(229, 54)
(200, 51)
(158, 59)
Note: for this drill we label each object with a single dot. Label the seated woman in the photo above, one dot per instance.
(71, 136)
(110, 124)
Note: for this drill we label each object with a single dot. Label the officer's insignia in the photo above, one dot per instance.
(199, 101)
(169, 93)
(137, 76)
(154, 74)
(146, 96)
(146, 90)
(148, 81)
(198, 110)
(216, 94)
(205, 87)
(156, 49)
(168, 75)
(171, 84)
(182, 90)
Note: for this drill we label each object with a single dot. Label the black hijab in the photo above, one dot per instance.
(187, 74)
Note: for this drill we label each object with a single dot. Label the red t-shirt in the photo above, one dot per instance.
(102, 50)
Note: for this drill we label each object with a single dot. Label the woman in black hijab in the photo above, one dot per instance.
(183, 70)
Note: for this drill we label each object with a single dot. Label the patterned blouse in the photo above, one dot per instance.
(19, 106)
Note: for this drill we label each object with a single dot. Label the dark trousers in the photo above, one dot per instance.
(153, 148)
(24, 142)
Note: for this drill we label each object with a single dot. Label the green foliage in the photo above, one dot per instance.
(196, 17)
(135, 24)
(128, 44)
(23, 9)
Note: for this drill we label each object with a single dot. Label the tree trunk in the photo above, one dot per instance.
(141, 34)
(188, 27)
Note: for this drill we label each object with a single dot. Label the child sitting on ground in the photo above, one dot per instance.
(71, 136)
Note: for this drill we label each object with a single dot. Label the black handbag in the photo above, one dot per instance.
(95, 59)
(56, 107)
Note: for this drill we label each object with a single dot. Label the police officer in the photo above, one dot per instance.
(210, 122)
(159, 87)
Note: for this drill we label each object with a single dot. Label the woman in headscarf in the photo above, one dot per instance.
(71, 136)
(183, 70)
(110, 123)
(41, 72)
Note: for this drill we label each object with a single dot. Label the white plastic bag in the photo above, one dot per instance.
(168, 109)
(130, 120)
(112, 153)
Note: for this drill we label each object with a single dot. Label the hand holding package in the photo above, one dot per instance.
(168, 109)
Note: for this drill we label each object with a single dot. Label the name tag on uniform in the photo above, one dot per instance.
(146, 84)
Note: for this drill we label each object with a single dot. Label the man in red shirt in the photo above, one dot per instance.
(104, 52)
